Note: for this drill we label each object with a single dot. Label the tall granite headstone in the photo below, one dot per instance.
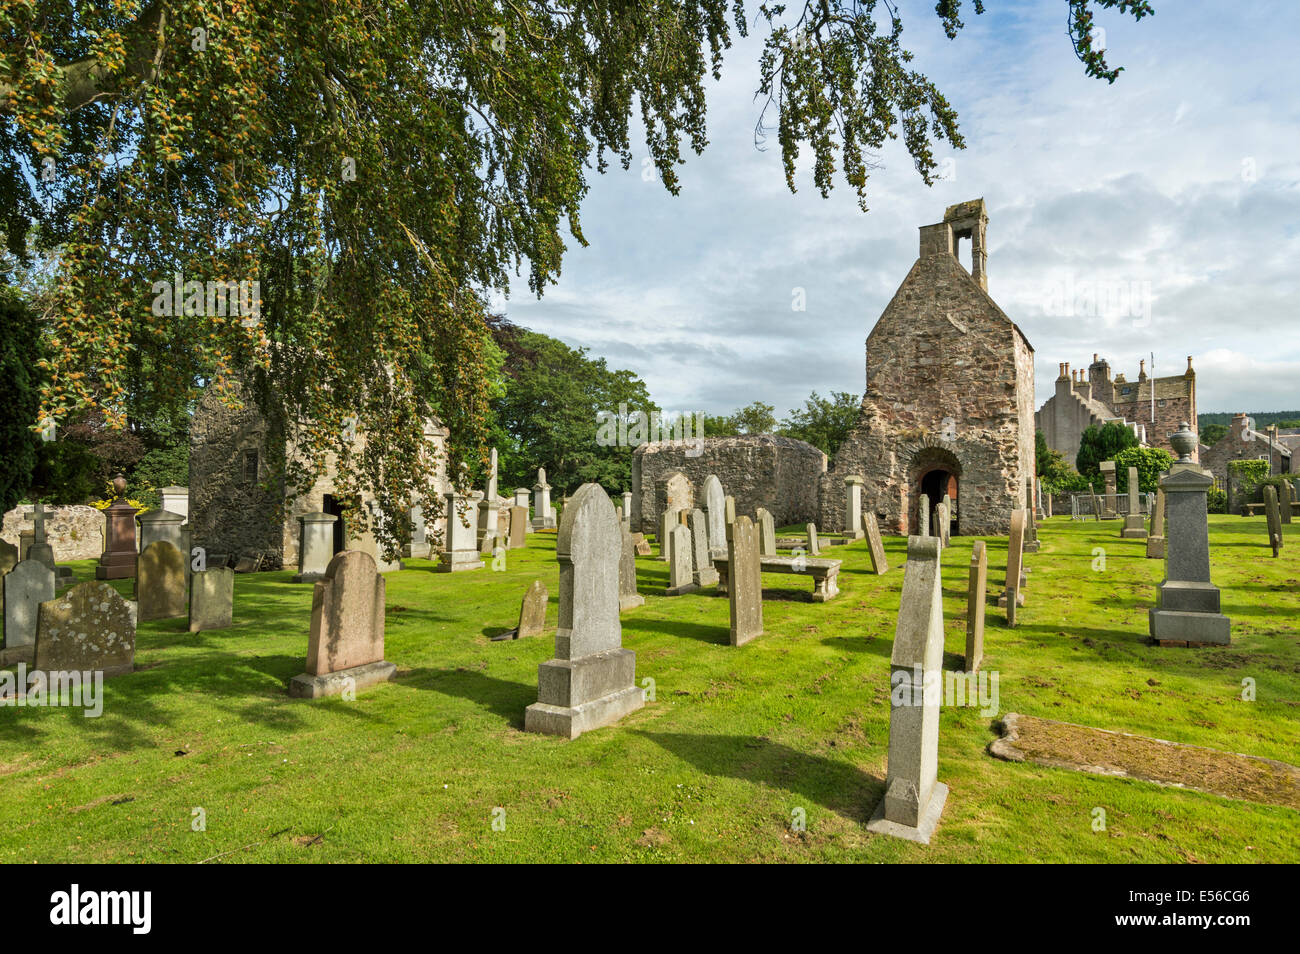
(1273, 518)
(1015, 561)
(628, 597)
(1156, 538)
(715, 508)
(853, 507)
(1135, 528)
(701, 556)
(681, 563)
(1111, 501)
(875, 548)
(26, 587)
(976, 589)
(914, 797)
(460, 550)
(591, 682)
(745, 583)
(766, 532)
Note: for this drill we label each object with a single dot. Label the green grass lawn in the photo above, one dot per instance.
(713, 769)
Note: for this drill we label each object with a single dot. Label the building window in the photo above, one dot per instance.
(249, 467)
(1161, 403)
(1125, 390)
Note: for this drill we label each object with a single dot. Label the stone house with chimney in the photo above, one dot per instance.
(948, 403)
(1244, 442)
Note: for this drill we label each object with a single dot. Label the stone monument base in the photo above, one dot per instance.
(922, 832)
(305, 686)
(117, 566)
(679, 590)
(707, 577)
(1178, 626)
(1135, 528)
(1155, 548)
(458, 560)
(578, 695)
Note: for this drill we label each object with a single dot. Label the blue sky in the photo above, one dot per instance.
(1180, 182)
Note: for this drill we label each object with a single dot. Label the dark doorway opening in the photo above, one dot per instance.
(934, 485)
(333, 506)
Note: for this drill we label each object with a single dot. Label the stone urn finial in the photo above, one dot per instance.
(1183, 441)
(119, 485)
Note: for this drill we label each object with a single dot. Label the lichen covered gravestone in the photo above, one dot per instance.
(628, 597)
(703, 573)
(212, 598)
(26, 587)
(532, 611)
(667, 520)
(914, 798)
(875, 548)
(745, 586)
(160, 582)
(345, 651)
(591, 682)
(766, 532)
(89, 628)
(715, 508)
(975, 597)
(681, 562)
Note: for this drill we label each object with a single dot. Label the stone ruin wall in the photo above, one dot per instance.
(75, 532)
(780, 474)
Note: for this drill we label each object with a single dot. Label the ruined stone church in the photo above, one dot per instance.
(948, 405)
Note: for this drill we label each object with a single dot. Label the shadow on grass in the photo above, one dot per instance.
(720, 635)
(834, 785)
(503, 698)
(857, 643)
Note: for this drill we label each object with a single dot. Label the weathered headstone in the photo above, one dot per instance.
(89, 628)
(460, 521)
(703, 573)
(488, 514)
(1015, 560)
(627, 510)
(715, 508)
(641, 543)
(681, 562)
(39, 549)
(667, 520)
(875, 547)
(628, 597)
(419, 547)
(745, 585)
(591, 682)
(158, 525)
(853, 507)
(26, 587)
(212, 599)
(1096, 506)
(924, 515)
(8, 556)
(175, 500)
(1135, 528)
(518, 527)
(766, 532)
(1274, 518)
(1111, 502)
(1031, 519)
(914, 797)
(345, 651)
(532, 611)
(976, 589)
(1187, 610)
(1285, 499)
(1156, 538)
(118, 559)
(814, 544)
(160, 582)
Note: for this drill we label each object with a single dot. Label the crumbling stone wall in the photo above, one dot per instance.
(75, 532)
(949, 387)
(778, 473)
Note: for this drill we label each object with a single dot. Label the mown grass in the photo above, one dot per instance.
(712, 770)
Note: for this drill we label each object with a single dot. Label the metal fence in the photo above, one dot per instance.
(1081, 506)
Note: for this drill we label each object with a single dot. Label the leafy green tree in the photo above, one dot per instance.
(377, 168)
(19, 398)
(1211, 434)
(756, 418)
(66, 472)
(1097, 444)
(719, 425)
(1150, 462)
(823, 422)
(551, 410)
(1054, 470)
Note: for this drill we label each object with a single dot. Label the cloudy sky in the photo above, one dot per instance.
(1178, 186)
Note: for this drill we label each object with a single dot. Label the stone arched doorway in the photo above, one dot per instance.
(935, 471)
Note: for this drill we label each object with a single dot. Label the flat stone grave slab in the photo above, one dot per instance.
(825, 573)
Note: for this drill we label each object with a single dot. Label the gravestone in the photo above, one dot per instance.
(703, 573)
(532, 611)
(315, 546)
(875, 548)
(212, 599)
(160, 582)
(715, 509)
(118, 560)
(1111, 502)
(914, 797)
(1015, 561)
(628, 597)
(591, 682)
(543, 514)
(89, 628)
(175, 500)
(345, 651)
(1284, 501)
(745, 583)
(627, 510)
(681, 563)
(676, 492)
(460, 522)
(1135, 528)
(853, 507)
(26, 587)
(766, 532)
(923, 517)
(729, 511)
(976, 589)
(8, 556)
(1274, 518)
(39, 548)
(641, 543)
(419, 546)
(158, 525)
(667, 520)
(1096, 507)
(814, 545)
(518, 527)
(1031, 520)
(1187, 610)
(488, 519)
(1156, 538)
